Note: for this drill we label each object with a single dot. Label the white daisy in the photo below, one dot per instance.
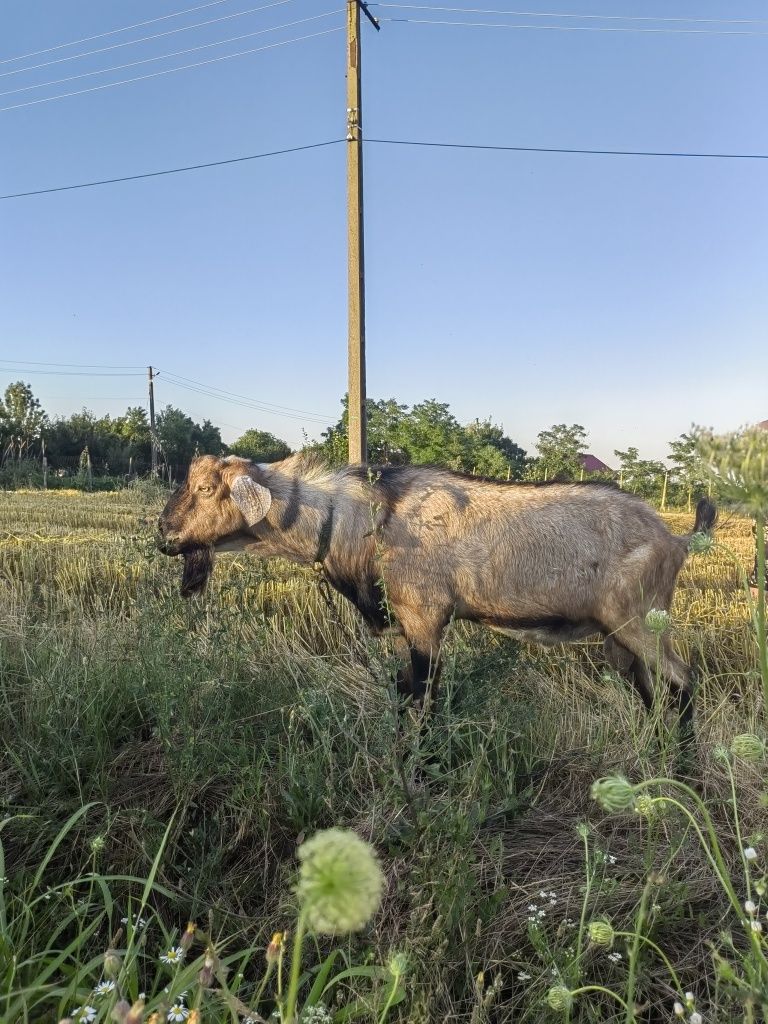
(104, 988)
(84, 1013)
(178, 1012)
(173, 956)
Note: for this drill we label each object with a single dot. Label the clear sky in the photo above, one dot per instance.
(627, 294)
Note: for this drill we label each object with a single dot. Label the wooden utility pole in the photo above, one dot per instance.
(357, 426)
(152, 419)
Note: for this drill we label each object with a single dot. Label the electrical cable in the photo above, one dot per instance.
(100, 366)
(570, 28)
(175, 378)
(569, 151)
(145, 39)
(253, 406)
(175, 53)
(175, 170)
(579, 17)
(114, 31)
(171, 71)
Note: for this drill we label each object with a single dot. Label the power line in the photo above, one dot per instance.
(585, 152)
(170, 71)
(253, 406)
(114, 31)
(175, 170)
(68, 373)
(579, 17)
(146, 39)
(175, 53)
(570, 28)
(214, 392)
(100, 366)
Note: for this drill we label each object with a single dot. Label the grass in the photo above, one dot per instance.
(165, 759)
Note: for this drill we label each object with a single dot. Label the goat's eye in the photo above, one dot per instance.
(205, 488)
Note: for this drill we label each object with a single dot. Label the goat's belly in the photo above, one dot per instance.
(549, 630)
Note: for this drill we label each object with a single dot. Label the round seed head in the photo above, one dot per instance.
(613, 794)
(559, 998)
(340, 881)
(601, 933)
(657, 620)
(748, 747)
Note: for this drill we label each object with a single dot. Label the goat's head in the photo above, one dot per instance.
(220, 499)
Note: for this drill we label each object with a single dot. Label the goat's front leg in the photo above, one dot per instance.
(422, 636)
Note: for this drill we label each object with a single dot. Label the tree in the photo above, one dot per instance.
(495, 454)
(641, 476)
(687, 470)
(560, 449)
(21, 418)
(260, 446)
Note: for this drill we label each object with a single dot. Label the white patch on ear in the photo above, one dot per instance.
(252, 499)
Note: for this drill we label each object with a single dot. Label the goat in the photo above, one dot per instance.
(414, 546)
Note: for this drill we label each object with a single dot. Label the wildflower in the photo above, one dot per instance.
(97, 845)
(397, 964)
(756, 926)
(112, 963)
(644, 805)
(173, 956)
(559, 998)
(748, 747)
(317, 1014)
(340, 881)
(721, 753)
(750, 908)
(689, 998)
(121, 1011)
(523, 976)
(615, 957)
(136, 1014)
(194, 1017)
(84, 1014)
(178, 1012)
(188, 937)
(701, 543)
(601, 933)
(274, 948)
(104, 988)
(695, 1018)
(750, 853)
(657, 620)
(613, 794)
(679, 1009)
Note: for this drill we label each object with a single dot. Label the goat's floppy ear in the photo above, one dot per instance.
(252, 499)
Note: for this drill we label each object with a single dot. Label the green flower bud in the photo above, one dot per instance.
(340, 881)
(613, 794)
(657, 620)
(601, 932)
(748, 747)
(701, 543)
(398, 964)
(112, 963)
(559, 998)
(644, 805)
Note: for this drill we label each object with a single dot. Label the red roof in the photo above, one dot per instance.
(764, 424)
(592, 464)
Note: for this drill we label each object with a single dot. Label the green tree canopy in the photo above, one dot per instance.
(260, 446)
(21, 417)
(560, 449)
(641, 476)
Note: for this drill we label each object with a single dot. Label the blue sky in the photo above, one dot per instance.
(627, 294)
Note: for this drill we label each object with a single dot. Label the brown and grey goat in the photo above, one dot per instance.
(413, 547)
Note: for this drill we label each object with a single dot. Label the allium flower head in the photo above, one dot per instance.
(340, 881)
(657, 620)
(748, 747)
(701, 543)
(559, 998)
(601, 933)
(613, 793)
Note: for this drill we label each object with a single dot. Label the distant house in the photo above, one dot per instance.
(591, 464)
(763, 424)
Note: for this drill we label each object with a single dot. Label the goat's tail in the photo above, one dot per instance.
(706, 516)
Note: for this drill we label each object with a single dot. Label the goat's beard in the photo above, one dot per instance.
(198, 566)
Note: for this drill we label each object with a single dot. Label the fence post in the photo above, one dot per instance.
(664, 492)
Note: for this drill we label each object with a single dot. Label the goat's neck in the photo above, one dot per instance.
(310, 518)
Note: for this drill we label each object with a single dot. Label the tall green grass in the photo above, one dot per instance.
(165, 759)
